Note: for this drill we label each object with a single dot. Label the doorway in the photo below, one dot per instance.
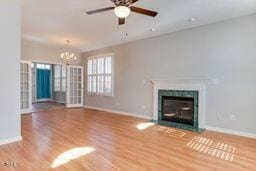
(43, 87)
(46, 86)
(42, 82)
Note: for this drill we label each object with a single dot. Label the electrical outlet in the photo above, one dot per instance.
(232, 117)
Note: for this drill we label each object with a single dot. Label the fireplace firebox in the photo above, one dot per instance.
(178, 109)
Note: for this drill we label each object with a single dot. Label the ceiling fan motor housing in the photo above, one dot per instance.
(126, 3)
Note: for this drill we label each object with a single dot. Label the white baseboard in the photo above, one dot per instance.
(119, 112)
(228, 131)
(25, 111)
(10, 140)
(43, 100)
(210, 128)
(56, 101)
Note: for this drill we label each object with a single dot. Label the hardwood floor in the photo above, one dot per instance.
(80, 139)
(45, 106)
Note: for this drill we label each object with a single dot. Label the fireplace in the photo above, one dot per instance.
(178, 109)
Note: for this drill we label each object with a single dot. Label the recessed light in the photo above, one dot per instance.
(152, 29)
(192, 19)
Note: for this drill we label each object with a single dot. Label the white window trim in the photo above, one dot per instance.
(112, 74)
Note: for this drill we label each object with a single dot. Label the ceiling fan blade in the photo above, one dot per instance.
(121, 21)
(143, 11)
(100, 10)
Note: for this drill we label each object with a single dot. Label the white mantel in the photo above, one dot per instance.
(186, 85)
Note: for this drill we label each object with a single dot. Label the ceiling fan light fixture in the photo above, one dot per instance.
(122, 11)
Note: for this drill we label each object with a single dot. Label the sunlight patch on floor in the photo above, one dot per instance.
(171, 131)
(143, 126)
(72, 154)
(216, 149)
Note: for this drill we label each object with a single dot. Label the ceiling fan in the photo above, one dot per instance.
(123, 8)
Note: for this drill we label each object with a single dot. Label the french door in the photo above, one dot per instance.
(75, 80)
(25, 87)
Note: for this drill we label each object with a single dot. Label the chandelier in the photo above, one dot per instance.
(67, 56)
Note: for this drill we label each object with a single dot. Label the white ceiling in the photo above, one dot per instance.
(54, 21)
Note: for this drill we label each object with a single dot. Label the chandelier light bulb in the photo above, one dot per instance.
(122, 11)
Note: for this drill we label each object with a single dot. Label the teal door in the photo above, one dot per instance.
(43, 82)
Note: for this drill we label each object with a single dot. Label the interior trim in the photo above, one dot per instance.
(228, 131)
(118, 112)
(10, 140)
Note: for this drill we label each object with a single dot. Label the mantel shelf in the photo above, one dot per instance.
(214, 81)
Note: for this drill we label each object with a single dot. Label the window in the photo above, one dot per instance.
(60, 78)
(100, 75)
(63, 78)
(43, 66)
(57, 76)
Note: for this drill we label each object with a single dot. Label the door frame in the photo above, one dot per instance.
(68, 81)
(51, 78)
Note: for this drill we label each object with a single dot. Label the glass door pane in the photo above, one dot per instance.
(25, 91)
(75, 86)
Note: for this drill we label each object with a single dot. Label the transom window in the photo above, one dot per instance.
(100, 75)
(43, 66)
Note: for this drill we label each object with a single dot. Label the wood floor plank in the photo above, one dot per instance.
(80, 139)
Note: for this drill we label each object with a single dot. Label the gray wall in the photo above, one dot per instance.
(10, 69)
(224, 50)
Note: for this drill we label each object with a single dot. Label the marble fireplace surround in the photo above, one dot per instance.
(185, 85)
